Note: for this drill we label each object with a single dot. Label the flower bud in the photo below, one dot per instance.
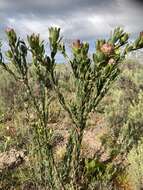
(54, 34)
(8, 30)
(111, 61)
(85, 48)
(11, 35)
(124, 38)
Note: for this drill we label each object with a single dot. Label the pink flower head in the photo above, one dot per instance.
(107, 48)
(8, 29)
(111, 61)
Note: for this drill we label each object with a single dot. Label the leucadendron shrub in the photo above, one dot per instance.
(92, 78)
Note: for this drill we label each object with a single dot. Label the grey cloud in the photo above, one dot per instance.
(137, 2)
(55, 7)
(86, 19)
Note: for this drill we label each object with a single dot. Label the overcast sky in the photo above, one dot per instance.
(85, 19)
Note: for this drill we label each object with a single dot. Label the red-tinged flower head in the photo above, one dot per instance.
(77, 44)
(107, 48)
(141, 33)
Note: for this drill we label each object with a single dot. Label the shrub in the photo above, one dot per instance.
(92, 78)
